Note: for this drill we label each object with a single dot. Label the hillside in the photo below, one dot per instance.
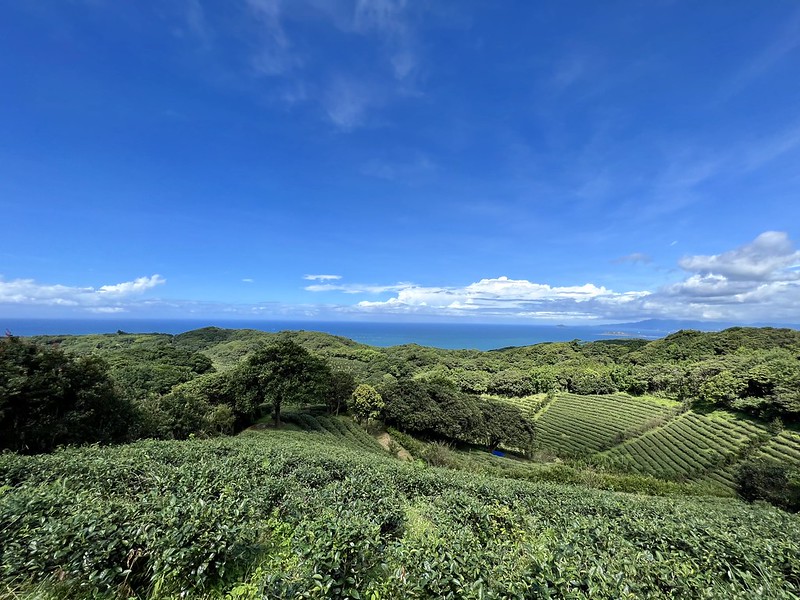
(692, 406)
(538, 443)
(322, 514)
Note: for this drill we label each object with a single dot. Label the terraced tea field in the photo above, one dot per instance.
(341, 428)
(686, 447)
(784, 447)
(652, 436)
(578, 426)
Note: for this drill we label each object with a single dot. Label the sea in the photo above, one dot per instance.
(438, 335)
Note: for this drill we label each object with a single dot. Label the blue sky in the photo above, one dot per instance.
(520, 161)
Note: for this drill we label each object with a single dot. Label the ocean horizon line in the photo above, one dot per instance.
(448, 335)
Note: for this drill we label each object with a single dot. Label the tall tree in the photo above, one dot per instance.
(367, 403)
(48, 398)
(284, 373)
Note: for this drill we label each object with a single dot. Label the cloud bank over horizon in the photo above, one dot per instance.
(756, 282)
(105, 299)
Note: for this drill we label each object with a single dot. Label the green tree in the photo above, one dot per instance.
(48, 399)
(282, 373)
(183, 412)
(772, 482)
(340, 389)
(723, 388)
(366, 403)
(505, 424)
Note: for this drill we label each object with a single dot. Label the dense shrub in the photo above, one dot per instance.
(293, 514)
(772, 482)
(49, 399)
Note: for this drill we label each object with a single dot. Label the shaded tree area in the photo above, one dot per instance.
(435, 408)
(281, 373)
(770, 482)
(48, 399)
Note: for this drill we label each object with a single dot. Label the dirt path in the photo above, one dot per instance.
(385, 440)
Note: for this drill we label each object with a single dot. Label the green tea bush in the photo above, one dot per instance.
(292, 514)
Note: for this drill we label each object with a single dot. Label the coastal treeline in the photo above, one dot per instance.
(119, 387)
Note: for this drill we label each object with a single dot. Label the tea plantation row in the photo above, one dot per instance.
(294, 514)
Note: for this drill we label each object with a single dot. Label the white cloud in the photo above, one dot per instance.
(136, 286)
(322, 277)
(770, 257)
(499, 296)
(248, 280)
(101, 299)
(759, 281)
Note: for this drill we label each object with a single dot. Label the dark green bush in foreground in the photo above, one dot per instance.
(292, 514)
(771, 482)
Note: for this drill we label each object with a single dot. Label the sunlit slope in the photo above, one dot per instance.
(341, 429)
(572, 425)
(581, 425)
(688, 446)
(307, 514)
(654, 436)
(783, 449)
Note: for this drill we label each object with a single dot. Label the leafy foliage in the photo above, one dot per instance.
(770, 481)
(437, 408)
(281, 373)
(288, 514)
(48, 399)
(367, 403)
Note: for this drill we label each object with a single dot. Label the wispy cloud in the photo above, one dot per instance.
(782, 43)
(634, 258)
(388, 19)
(399, 170)
(195, 20)
(347, 101)
(321, 277)
(274, 55)
(762, 151)
(271, 40)
(356, 288)
(248, 280)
